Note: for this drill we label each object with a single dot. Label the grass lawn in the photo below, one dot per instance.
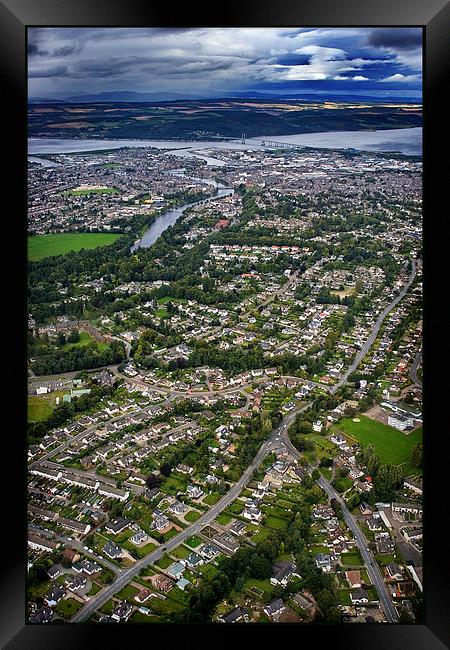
(166, 299)
(68, 607)
(105, 576)
(141, 550)
(342, 484)
(40, 246)
(94, 589)
(236, 507)
(127, 593)
(168, 606)
(275, 522)
(261, 535)
(100, 190)
(85, 339)
(223, 519)
(208, 571)
(211, 499)
(193, 541)
(192, 516)
(391, 445)
(373, 594)
(174, 484)
(40, 407)
(171, 533)
(343, 597)
(138, 617)
(261, 585)
(324, 448)
(164, 562)
(181, 553)
(326, 473)
(315, 550)
(384, 559)
(351, 559)
(107, 607)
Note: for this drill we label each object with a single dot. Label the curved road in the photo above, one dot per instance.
(374, 333)
(371, 565)
(278, 436)
(413, 372)
(124, 578)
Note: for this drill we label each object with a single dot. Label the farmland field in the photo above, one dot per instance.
(391, 445)
(40, 246)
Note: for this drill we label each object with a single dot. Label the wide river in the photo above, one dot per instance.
(406, 141)
(166, 219)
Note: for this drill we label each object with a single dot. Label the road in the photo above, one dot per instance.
(374, 332)
(413, 372)
(91, 429)
(124, 578)
(279, 436)
(367, 556)
(371, 565)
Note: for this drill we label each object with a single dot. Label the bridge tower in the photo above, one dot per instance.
(243, 139)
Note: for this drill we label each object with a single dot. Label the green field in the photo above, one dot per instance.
(40, 246)
(211, 499)
(85, 339)
(224, 519)
(40, 407)
(100, 190)
(391, 445)
(68, 607)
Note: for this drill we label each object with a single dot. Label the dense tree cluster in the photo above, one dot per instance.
(51, 361)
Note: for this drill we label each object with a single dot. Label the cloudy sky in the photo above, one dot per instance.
(216, 62)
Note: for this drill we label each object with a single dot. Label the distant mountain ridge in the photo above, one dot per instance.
(138, 97)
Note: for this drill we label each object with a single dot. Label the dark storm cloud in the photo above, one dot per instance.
(51, 71)
(293, 59)
(111, 66)
(396, 39)
(211, 60)
(33, 50)
(67, 50)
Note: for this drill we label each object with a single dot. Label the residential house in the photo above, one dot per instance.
(353, 578)
(112, 551)
(282, 572)
(55, 594)
(175, 570)
(275, 608)
(117, 525)
(359, 596)
(393, 571)
(235, 615)
(122, 612)
(140, 537)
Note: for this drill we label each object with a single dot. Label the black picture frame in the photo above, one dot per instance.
(434, 17)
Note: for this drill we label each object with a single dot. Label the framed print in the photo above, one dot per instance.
(229, 422)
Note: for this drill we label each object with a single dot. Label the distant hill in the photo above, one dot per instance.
(138, 97)
(202, 119)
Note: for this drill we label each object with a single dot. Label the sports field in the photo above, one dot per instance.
(40, 246)
(391, 445)
(87, 192)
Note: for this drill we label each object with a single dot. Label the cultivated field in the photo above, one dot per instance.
(40, 246)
